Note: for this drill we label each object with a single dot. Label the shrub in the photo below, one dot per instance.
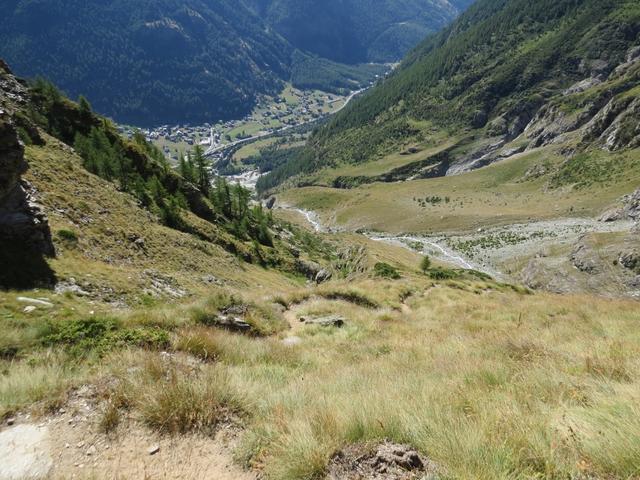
(384, 270)
(443, 274)
(102, 334)
(68, 235)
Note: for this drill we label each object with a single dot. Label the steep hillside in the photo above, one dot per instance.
(76, 197)
(489, 75)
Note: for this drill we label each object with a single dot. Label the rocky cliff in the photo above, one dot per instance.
(25, 237)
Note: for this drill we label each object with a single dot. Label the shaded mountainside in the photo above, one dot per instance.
(354, 31)
(175, 61)
(504, 68)
(161, 61)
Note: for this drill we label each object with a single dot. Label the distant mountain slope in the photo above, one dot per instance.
(487, 76)
(148, 61)
(500, 52)
(175, 61)
(352, 31)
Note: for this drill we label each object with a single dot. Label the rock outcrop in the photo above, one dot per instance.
(584, 258)
(617, 125)
(627, 209)
(22, 221)
(25, 236)
(313, 271)
(632, 206)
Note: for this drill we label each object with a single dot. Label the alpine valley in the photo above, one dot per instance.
(402, 241)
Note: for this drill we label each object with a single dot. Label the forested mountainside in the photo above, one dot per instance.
(491, 72)
(354, 31)
(148, 61)
(173, 61)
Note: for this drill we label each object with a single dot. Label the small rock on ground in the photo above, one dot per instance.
(153, 449)
(36, 301)
(327, 321)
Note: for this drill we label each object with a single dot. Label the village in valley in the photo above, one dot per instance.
(271, 115)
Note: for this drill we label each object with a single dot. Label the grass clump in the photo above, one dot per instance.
(384, 270)
(110, 418)
(202, 343)
(172, 398)
(44, 378)
(352, 296)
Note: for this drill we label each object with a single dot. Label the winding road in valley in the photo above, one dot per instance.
(213, 150)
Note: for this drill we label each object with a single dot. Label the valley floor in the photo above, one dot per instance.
(501, 220)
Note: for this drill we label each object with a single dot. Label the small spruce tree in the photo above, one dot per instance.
(425, 264)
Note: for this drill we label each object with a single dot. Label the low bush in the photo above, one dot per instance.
(443, 274)
(67, 235)
(384, 270)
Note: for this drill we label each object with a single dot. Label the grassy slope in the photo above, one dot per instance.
(107, 223)
(487, 380)
(494, 195)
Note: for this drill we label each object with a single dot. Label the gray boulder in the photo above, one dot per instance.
(324, 321)
(630, 261)
(632, 206)
(234, 324)
(323, 276)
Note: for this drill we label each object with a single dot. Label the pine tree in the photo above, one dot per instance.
(203, 174)
(85, 108)
(425, 264)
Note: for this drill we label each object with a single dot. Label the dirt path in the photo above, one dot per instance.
(69, 445)
(81, 452)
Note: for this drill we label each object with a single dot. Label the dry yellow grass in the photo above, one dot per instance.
(488, 382)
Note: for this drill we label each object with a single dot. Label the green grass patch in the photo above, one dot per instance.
(99, 335)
